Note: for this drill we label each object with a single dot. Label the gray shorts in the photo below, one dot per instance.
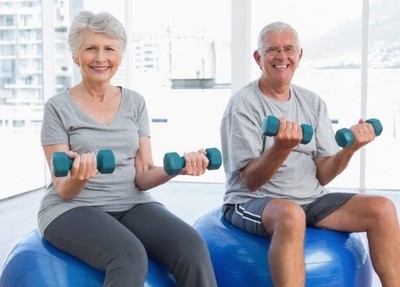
(247, 216)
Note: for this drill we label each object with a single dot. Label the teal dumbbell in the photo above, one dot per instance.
(61, 164)
(174, 163)
(345, 137)
(270, 126)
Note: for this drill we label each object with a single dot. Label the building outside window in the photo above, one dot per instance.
(22, 89)
(180, 60)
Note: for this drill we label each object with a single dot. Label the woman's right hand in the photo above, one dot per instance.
(84, 166)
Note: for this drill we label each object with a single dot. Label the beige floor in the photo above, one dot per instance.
(187, 200)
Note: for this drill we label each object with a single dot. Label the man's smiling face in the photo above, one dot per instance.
(279, 58)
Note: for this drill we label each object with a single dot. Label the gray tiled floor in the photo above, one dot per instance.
(187, 200)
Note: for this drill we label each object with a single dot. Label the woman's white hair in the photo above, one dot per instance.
(100, 23)
(276, 27)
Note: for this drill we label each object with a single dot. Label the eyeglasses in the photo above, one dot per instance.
(274, 51)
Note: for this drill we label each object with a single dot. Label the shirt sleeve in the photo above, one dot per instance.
(53, 130)
(143, 122)
(241, 140)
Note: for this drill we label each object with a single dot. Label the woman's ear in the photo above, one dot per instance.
(75, 59)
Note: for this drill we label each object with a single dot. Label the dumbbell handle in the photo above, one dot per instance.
(61, 163)
(174, 163)
(270, 126)
(345, 137)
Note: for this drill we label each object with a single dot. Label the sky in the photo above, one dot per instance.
(310, 18)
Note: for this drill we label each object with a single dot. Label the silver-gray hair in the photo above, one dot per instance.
(277, 27)
(100, 23)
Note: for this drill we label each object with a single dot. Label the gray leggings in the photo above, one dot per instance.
(119, 243)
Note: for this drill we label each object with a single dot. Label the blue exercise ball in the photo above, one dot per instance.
(333, 259)
(36, 262)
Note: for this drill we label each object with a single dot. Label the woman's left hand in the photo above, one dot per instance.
(196, 163)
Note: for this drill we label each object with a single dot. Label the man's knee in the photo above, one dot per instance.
(283, 215)
(382, 208)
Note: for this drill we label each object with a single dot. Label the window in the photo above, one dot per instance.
(383, 102)
(180, 61)
(23, 65)
(21, 97)
(332, 66)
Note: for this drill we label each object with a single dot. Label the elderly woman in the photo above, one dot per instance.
(108, 220)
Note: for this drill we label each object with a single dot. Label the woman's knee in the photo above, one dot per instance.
(126, 265)
(192, 247)
(188, 253)
(192, 265)
(128, 253)
(198, 251)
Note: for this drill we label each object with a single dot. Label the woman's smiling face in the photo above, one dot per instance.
(98, 56)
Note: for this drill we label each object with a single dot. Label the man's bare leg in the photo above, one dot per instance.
(285, 221)
(377, 216)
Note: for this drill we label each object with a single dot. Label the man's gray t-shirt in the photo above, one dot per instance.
(242, 141)
(65, 123)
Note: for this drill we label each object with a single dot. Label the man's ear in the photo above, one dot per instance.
(257, 56)
(300, 56)
(301, 53)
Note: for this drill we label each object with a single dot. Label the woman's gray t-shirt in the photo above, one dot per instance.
(65, 123)
(242, 141)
